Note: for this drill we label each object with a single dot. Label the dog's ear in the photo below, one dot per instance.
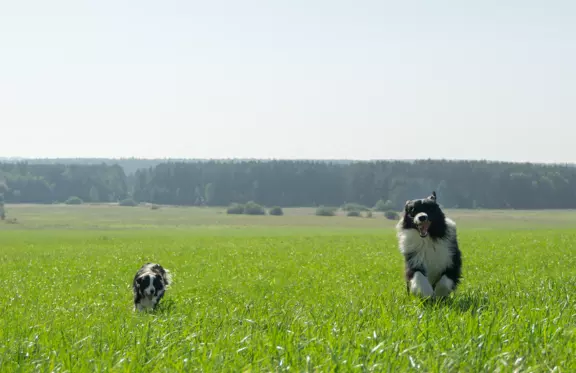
(407, 206)
(433, 196)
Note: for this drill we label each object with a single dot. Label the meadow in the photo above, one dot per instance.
(280, 293)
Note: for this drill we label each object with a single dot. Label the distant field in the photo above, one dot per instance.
(290, 293)
(113, 217)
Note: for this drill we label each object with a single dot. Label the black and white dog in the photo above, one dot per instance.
(427, 239)
(149, 286)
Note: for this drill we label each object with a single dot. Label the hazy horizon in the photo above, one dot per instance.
(322, 80)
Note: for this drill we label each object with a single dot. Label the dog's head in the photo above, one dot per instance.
(426, 216)
(150, 284)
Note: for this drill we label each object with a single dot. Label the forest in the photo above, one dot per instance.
(459, 184)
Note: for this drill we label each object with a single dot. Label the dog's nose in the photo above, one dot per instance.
(422, 218)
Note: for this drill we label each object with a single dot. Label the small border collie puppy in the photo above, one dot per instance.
(427, 239)
(149, 286)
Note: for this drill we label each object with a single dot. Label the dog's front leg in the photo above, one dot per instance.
(444, 287)
(137, 305)
(419, 285)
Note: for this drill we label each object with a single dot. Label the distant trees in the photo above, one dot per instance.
(209, 193)
(354, 207)
(74, 201)
(382, 205)
(385, 185)
(391, 215)
(250, 208)
(46, 183)
(235, 209)
(326, 211)
(276, 211)
(94, 194)
(128, 202)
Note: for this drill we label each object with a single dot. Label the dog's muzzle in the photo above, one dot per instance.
(422, 223)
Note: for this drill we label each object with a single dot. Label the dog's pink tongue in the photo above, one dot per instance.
(424, 227)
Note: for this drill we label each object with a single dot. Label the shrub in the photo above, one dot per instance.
(383, 206)
(235, 209)
(154, 207)
(354, 207)
(128, 202)
(11, 221)
(276, 211)
(252, 208)
(353, 213)
(74, 201)
(369, 214)
(391, 215)
(325, 211)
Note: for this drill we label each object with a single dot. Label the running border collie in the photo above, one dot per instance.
(149, 286)
(428, 241)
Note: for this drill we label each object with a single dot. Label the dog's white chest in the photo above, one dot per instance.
(147, 303)
(433, 255)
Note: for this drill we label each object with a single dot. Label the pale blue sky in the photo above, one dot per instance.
(289, 79)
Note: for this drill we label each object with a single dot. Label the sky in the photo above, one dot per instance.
(292, 79)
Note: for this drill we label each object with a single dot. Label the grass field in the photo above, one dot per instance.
(291, 293)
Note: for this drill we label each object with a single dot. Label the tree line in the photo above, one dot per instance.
(459, 184)
(22, 182)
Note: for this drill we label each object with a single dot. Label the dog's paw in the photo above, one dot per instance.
(444, 287)
(419, 285)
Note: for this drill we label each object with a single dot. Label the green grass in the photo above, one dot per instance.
(276, 293)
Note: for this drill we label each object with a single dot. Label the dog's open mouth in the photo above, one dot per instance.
(423, 228)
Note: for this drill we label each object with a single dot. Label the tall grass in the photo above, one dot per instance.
(280, 301)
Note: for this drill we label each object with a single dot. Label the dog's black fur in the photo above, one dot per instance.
(149, 285)
(431, 209)
(428, 241)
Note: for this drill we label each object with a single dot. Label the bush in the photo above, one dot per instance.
(369, 214)
(252, 208)
(391, 215)
(276, 211)
(354, 207)
(383, 206)
(325, 211)
(154, 207)
(11, 221)
(353, 214)
(128, 202)
(74, 201)
(235, 209)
